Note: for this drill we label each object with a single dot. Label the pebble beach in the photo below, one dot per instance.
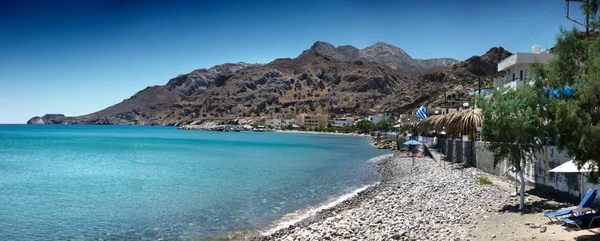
(426, 201)
(412, 202)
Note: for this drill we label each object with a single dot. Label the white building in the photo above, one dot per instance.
(291, 122)
(376, 118)
(341, 122)
(519, 67)
(275, 123)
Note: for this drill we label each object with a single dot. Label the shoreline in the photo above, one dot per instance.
(383, 143)
(327, 209)
(307, 213)
(318, 133)
(315, 213)
(420, 201)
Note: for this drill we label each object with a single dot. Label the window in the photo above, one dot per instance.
(521, 75)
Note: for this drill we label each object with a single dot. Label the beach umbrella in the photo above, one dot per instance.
(433, 122)
(571, 167)
(408, 126)
(464, 121)
(412, 143)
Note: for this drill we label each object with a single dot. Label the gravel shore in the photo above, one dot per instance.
(422, 202)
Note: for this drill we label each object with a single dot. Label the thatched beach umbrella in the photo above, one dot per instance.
(464, 121)
(408, 126)
(433, 122)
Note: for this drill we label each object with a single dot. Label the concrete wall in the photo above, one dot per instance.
(535, 171)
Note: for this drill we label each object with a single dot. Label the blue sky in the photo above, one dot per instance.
(76, 57)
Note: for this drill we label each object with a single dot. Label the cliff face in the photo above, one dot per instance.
(313, 82)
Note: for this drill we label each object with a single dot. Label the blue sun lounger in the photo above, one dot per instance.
(578, 219)
(585, 203)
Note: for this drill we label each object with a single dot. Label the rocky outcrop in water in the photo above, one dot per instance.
(48, 119)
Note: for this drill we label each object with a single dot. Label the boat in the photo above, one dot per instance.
(259, 129)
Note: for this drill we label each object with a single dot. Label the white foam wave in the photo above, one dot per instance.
(295, 217)
(380, 158)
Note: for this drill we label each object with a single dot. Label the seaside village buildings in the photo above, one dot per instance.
(312, 121)
(376, 118)
(343, 122)
(519, 67)
(516, 70)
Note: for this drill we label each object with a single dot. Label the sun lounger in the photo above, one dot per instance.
(585, 203)
(408, 154)
(577, 220)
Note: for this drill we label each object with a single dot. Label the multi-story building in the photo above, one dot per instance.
(376, 118)
(312, 121)
(519, 67)
(345, 121)
(261, 122)
(275, 123)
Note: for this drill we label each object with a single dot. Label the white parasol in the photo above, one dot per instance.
(570, 167)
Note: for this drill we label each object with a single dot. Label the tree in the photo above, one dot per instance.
(513, 127)
(385, 125)
(365, 125)
(302, 128)
(574, 116)
(592, 7)
(290, 127)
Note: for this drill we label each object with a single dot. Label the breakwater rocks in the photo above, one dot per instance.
(383, 142)
(424, 201)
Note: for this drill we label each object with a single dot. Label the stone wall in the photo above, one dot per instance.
(535, 171)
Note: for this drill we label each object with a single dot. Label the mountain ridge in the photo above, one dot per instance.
(381, 52)
(313, 82)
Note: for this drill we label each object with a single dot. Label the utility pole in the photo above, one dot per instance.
(587, 21)
(587, 17)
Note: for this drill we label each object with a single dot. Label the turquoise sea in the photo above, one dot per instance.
(132, 182)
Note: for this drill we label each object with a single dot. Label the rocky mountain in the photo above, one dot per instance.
(314, 82)
(382, 53)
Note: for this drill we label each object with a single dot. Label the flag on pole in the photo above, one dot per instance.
(421, 113)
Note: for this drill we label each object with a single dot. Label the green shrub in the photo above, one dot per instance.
(483, 180)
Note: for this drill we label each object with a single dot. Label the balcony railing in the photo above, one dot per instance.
(502, 81)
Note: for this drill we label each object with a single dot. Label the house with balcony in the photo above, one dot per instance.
(345, 121)
(519, 67)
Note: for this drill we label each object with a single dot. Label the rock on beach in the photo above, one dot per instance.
(424, 201)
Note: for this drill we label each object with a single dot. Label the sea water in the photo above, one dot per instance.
(132, 182)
